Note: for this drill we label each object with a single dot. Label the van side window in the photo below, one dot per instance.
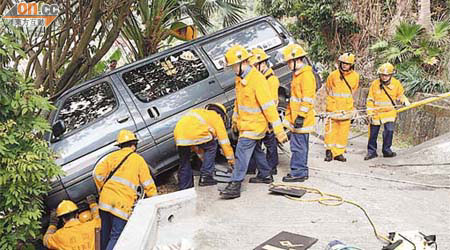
(166, 75)
(261, 35)
(86, 106)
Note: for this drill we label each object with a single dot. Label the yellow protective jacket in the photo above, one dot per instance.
(199, 126)
(274, 84)
(119, 192)
(339, 95)
(64, 238)
(301, 103)
(254, 106)
(379, 106)
(74, 235)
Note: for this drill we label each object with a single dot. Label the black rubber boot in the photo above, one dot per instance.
(259, 179)
(274, 171)
(328, 155)
(390, 155)
(369, 157)
(290, 178)
(206, 180)
(233, 190)
(340, 158)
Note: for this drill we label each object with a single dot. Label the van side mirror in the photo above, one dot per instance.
(58, 128)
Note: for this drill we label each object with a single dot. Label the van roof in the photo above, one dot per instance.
(186, 44)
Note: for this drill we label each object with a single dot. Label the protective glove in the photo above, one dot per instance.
(231, 162)
(53, 218)
(282, 137)
(91, 199)
(299, 122)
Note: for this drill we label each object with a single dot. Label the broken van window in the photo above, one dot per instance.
(165, 75)
(86, 106)
(261, 35)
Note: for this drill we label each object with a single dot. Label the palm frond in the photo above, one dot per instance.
(441, 32)
(231, 10)
(406, 33)
(379, 46)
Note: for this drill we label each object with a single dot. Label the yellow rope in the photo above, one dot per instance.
(328, 199)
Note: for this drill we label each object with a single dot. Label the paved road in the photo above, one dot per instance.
(256, 216)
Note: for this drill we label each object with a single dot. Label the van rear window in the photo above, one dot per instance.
(87, 106)
(261, 35)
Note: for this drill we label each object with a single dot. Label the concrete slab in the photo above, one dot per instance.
(141, 231)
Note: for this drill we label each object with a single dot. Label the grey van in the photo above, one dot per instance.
(148, 97)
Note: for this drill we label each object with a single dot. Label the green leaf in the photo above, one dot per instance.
(406, 33)
(116, 55)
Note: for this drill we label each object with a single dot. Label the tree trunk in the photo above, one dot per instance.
(425, 14)
(402, 7)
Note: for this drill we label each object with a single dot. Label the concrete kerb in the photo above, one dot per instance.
(149, 214)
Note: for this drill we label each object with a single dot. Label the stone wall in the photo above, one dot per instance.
(425, 122)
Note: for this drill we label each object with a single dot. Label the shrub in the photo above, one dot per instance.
(26, 162)
(420, 57)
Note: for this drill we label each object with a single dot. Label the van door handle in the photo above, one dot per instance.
(156, 111)
(211, 82)
(123, 119)
(153, 112)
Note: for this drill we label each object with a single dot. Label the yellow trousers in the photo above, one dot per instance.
(336, 136)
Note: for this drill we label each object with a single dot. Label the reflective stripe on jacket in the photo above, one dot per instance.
(301, 103)
(254, 106)
(339, 95)
(74, 235)
(378, 103)
(120, 192)
(199, 126)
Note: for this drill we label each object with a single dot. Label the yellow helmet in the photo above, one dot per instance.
(236, 54)
(219, 107)
(85, 216)
(347, 58)
(125, 136)
(293, 51)
(386, 69)
(258, 55)
(66, 207)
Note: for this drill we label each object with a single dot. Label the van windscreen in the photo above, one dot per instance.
(261, 35)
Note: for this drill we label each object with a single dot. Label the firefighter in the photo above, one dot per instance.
(260, 60)
(203, 128)
(117, 178)
(74, 234)
(340, 86)
(300, 111)
(254, 108)
(381, 103)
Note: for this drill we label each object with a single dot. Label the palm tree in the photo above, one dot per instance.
(153, 21)
(403, 46)
(421, 57)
